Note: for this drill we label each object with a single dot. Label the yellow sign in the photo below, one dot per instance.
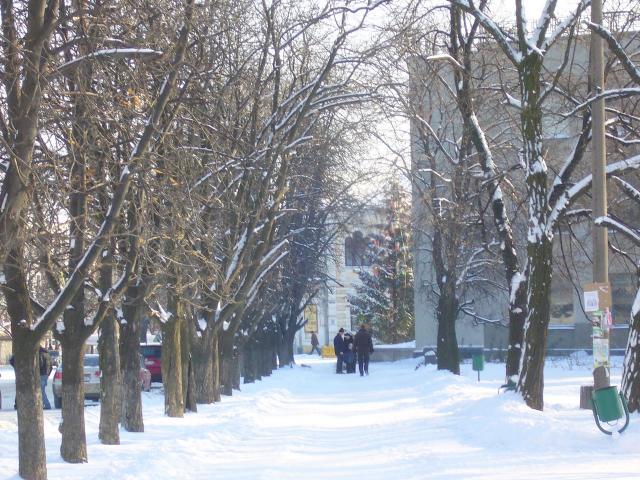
(311, 318)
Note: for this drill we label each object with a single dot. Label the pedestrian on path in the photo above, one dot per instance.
(364, 347)
(349, 353)
(338, 347)
(314, 344)
(45, 371)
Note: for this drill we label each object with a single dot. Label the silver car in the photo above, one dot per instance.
(91, 380)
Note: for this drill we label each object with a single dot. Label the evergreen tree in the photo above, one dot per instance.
(384, 299)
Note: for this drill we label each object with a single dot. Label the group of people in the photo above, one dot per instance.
(349, 348)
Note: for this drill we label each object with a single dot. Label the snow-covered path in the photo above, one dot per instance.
(398, 423)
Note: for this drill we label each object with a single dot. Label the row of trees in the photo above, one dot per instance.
(174, 157)
(491, 107)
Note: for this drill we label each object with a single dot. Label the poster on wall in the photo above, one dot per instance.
(311, 317)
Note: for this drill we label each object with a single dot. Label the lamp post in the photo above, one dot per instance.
(599, 187)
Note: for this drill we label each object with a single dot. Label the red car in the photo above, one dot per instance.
(152, 354)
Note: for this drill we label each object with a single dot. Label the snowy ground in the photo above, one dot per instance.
(398, 423)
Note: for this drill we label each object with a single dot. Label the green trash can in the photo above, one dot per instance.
(478, 362)
(609, 406)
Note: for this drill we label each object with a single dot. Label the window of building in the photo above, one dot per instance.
(561, 300)
(623, 293)
(355, 250)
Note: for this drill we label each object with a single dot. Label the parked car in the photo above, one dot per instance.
(92, 376)
(152, 353)
(91, 380)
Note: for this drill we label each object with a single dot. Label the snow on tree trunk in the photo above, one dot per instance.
(517, 317)
(539, 243)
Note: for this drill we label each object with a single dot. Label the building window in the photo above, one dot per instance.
(561, 299)
(623, 293)
(355, 250)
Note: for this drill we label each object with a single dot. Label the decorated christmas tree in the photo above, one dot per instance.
(384, 300)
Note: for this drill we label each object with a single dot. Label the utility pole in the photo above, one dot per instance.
(599, 189)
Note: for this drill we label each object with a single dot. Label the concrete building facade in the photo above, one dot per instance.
(570, 327)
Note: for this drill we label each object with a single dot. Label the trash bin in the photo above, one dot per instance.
(609, 406)
(478, 362)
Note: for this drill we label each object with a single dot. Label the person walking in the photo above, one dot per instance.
(338, 347)
(364, 347)
(349, 353)
(314, 344)
(45, 371)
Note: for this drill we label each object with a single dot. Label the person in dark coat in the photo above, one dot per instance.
(364, 347)
(338, 347)
(45, 371)
(314, 344)
(349, 353)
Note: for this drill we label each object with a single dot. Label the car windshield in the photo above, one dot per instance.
(150, 351)
(91, 361)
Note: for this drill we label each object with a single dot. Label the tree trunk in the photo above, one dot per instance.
(73, 448)
(517, 316)
(203, 353)
(248, 366)
(237, 369)
(539, 246)
(130, 360)
(110, 391)
(31, 446)
(266, 360)
(188, 377)
(531, 382)
(171, 361)
(216, 368)
(447, 346)
(286, 350)
(630, 385)
(257, 357)
(226, 374)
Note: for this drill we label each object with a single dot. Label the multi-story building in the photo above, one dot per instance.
(570, 327)
(331, 309)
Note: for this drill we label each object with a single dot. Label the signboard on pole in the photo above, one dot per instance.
(597, 296)
(311, 317)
